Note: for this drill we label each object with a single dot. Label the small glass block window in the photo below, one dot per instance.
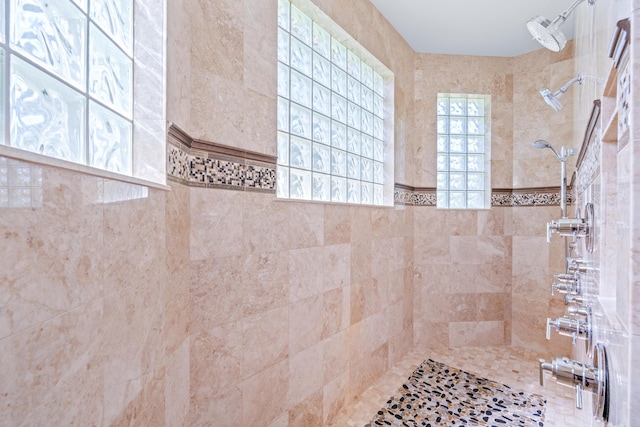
(70, 79)
(463, 156)
(330, 116)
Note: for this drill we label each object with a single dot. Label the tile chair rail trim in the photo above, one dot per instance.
(200, 163)
(505, 197)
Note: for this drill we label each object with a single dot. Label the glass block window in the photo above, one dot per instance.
(69, 80)
(331, 122)
(463, 151)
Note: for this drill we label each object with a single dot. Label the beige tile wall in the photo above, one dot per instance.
(94, 326)
(312, 310)
(486, 276)
(295, 307)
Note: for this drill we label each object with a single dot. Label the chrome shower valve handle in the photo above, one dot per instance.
(573, 327)
(570, 373)
(581, 376)
(568, 227)
(577, 266)
(579, 310)
(570, 327)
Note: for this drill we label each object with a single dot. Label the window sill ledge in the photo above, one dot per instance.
(27, 156)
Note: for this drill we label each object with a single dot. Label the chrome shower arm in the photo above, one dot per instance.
(578, 79)
(564, 15)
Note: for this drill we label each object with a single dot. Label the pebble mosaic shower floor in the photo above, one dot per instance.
(518, 368)
(439, 395)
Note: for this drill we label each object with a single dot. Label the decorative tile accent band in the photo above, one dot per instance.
(406, 195)
(548, 196)
(529, 197)
(624, 105)
(205, 164)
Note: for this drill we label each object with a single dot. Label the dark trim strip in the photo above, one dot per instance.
(618, 48)
(589, 132)
(216, 150)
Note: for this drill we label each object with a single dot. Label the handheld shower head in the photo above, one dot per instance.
(553, 98)
(562, 155)
(541, 144)
(548, 33)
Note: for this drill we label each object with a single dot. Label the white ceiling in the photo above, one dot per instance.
(471, 27)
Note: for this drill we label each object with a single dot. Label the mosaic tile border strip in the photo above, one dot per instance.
(550, 196)
(529, 197)
(623, 105)
(619, 51)
(437, 394)
(200, 163)
(406, 195)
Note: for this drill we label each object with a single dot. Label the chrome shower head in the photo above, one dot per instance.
(553, 98)
(548, 33)
(540, 144)
(562, 155)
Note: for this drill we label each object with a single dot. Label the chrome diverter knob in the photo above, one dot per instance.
(578, 266)
(566, 284)
(575, 299)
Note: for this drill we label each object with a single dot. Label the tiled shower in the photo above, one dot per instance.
(220, 305)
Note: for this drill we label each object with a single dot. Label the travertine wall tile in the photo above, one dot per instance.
(306, 375)
(65, 225)
(39, 367)
(476, 333)
(177, 395)
(367, 366)
(307, 323)
(262, 399)
(308, 412)
(216, 362)
(265, 340)
(335, 396)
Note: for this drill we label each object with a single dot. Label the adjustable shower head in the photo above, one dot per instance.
(553, 98)
(540, 144)
(548, 33)
(562, 155)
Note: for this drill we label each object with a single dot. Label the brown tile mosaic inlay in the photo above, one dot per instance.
(206, 164)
